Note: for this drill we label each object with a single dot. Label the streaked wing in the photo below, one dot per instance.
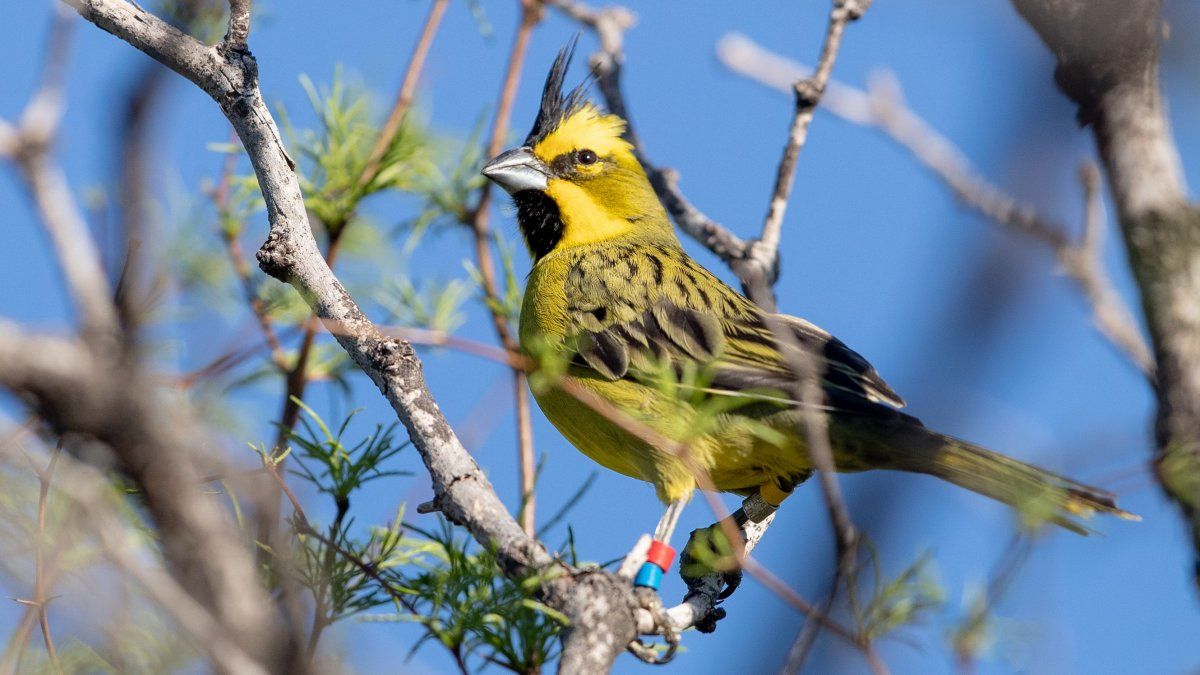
(740, 354)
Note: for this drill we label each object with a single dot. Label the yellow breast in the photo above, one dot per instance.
(732, 455)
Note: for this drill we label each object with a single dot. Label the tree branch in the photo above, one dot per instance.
(763, 264)
(1107, 56)
(882, 107)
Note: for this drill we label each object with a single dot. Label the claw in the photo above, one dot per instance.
(709, 623)
(732, 579)
(649, 600)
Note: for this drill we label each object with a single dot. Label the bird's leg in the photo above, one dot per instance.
(660, 554)
(750, 521)
(649, 577)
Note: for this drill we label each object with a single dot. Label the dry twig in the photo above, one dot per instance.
(882, 107)
(477, 219)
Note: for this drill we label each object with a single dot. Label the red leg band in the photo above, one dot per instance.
(660, 554)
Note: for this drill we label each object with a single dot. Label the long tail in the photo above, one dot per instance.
(1038, 495)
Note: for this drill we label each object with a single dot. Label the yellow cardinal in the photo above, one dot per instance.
(613, 290)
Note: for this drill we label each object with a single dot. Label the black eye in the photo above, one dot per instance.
(587, 157)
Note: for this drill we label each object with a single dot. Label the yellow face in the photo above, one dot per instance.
(599, 186)
(578, 183)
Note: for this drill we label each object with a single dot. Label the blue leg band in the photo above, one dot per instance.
(649, 576)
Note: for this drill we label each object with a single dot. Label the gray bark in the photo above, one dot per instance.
(1107, 63)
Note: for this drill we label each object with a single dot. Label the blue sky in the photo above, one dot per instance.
(971, 325)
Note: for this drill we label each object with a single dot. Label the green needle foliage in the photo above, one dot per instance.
(457, 593)
(465, 603)
(334, 157)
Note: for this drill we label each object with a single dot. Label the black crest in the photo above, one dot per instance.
(555, 105)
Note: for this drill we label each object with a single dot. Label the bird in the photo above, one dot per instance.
(641, 326)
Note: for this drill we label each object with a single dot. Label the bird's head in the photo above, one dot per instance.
(575, 180)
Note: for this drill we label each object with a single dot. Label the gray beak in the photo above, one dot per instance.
(518, 170)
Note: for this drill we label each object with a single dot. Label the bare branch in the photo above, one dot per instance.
(882, 107)
(1107, 56)
(764, 253)
(239, 26)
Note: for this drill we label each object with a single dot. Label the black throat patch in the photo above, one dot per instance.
(539, 220)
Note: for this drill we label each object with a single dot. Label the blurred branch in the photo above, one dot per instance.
(1107, 64)
(92, 386)
(92, 492)
(41, 592)
(48, 568)
(76, 390)
(477, 219)
(29, 146)
(882, 107)
(971, 636)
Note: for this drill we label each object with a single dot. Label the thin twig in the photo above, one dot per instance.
(882, 107)
(41, 591)
(404, 96)
(764, 252)
(241, 268)
(968, 636)
(477, 219)
(239, 26)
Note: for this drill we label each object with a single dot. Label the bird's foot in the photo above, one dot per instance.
(707, 554)
(649, 600)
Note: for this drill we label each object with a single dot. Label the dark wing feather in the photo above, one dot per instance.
(742, 355)
(676, 312)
